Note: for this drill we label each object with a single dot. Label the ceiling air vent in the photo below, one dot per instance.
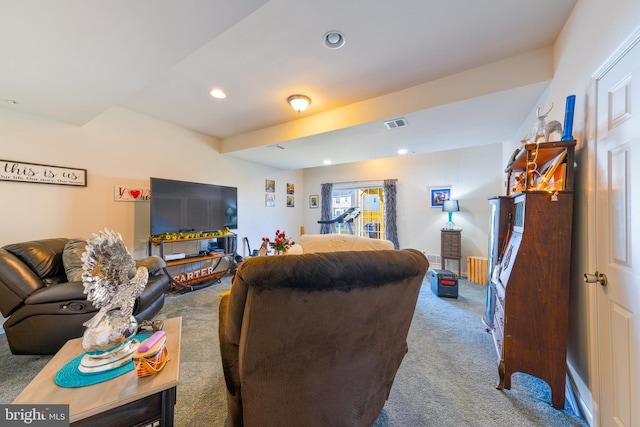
(396, 123)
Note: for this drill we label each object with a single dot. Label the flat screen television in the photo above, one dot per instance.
(181, 206)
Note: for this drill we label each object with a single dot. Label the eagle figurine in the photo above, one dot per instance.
(112, 283)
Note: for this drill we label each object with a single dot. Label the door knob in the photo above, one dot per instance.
(596, 278)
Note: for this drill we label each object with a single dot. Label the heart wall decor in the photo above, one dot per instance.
(126, 194)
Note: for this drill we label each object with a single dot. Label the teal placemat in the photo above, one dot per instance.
(69, 376)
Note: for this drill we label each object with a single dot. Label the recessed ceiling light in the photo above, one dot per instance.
(333, 39)
(327, 162)
(402, 151)
(218, 93)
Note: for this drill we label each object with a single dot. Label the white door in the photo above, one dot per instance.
(618, 240)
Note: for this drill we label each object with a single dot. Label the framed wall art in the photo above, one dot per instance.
(127, 194)
(269, 200)
(314, 201)
(438, 195)
(42, 174)
(269, 186)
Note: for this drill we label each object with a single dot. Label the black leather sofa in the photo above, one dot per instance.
(43, 308)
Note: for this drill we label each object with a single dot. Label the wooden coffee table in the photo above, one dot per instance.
(125, 400)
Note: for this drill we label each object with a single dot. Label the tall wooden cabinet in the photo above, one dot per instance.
(530, 256)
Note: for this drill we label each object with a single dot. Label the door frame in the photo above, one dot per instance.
(592, 220)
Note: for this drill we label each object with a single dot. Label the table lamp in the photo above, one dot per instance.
(450, 206)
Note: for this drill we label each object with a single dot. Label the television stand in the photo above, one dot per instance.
(203, 275)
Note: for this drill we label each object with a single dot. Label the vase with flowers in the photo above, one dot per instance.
(280, 244)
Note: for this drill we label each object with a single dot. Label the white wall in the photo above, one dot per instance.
(593, 32)
(123, 148)
(474, 174)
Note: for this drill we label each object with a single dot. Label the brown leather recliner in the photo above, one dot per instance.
(316, 339)
(45, 310)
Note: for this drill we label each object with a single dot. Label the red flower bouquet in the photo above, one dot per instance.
(281, 243)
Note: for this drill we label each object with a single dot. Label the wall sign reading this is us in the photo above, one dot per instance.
(41, 174)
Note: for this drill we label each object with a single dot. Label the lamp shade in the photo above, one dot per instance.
(450, 206)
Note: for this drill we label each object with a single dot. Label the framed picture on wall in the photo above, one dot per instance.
(269, 186)
(270, 200)
(314, 201)
(290, 202)
(438, 195)
(42, 174)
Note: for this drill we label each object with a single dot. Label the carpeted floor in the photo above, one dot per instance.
(446, 379)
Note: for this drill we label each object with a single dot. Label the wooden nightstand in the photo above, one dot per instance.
(451, 247)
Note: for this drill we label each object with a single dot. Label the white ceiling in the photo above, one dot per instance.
(462, 72)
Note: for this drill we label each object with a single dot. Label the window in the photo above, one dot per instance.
(370, 222)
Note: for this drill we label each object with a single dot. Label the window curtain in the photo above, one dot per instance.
(326, 193)
(391, 228)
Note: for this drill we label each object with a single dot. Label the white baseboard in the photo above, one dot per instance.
(579, 395)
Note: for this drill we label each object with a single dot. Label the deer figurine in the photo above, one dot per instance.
(539, 129)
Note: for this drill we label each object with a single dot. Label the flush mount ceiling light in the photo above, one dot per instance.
(299, 102)
(333, 39)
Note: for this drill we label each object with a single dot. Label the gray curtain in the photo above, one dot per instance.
(326, 194)
(391, 228)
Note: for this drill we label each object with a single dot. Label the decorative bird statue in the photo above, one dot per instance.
(108, 267)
